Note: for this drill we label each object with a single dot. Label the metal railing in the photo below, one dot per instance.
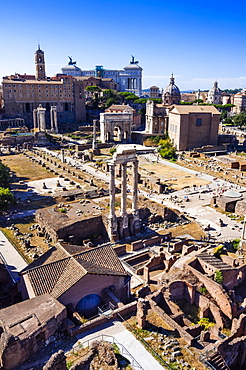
(146, 345)
(123, 351)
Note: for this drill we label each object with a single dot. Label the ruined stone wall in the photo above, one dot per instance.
(83, 229)
(183, 333)
(15, 350)
(207, 307)
(215, 290)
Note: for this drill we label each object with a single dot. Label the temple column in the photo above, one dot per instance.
(94, 144)
(55, 119)
(125, 228)
(135, 197)
(123, 189)
(41, 118)
(34, 114)
(112, 217)
(51, 119)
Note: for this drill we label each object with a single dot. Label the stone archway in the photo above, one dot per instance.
(117, 133)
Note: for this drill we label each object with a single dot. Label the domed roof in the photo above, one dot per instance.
(88, 306)
(172, 89)
(215, 89)
(133, 65)
(232, 194)
(71, 67)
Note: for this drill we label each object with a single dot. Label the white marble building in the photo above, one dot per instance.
(128, 79)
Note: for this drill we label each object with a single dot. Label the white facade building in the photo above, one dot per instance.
(128, 79)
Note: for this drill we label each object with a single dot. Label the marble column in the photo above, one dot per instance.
(135, 198)
(125, 228)
(112, 218)
(123, 189)
(53, 119)
(34, 114)
(41, 118)
(94, 144)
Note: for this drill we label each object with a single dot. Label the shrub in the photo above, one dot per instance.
(218, 250)
(218, 277)
(63, 210)
(205, 323)
(112, 151)
(235, 244)
(203, 290)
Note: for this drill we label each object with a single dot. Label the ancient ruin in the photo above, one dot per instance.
(123, 226)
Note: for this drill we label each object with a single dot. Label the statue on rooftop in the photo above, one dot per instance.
(71, 61)
(133, 61)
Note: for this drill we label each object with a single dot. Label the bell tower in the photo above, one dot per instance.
(40, 64)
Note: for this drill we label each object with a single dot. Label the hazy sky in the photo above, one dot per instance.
(199, 41)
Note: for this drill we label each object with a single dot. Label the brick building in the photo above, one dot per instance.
(72, 277)
(24, 93)
(192, 126)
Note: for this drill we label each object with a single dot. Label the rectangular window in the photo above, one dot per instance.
(198, 122)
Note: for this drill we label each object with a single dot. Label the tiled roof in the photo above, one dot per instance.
(58, 276)
(186, 109)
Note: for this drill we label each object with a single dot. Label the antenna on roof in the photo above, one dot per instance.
(38, 44)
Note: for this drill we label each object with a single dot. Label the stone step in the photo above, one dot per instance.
(218, 362)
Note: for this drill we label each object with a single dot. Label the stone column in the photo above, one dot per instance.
(51, 119)
(55, 119)
(94, 144)
(34, 114)
(124, 215)
(123, 189)
(135, 198)
(41, 118)
(112, 218)
(62, 156)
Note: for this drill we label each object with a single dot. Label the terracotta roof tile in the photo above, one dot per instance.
(57, 277)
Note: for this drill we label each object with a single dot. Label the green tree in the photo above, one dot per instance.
(6, 199)
(93, 88)
(240, 119)
(166, 149)
(4, 176)
(223, 114)
(228, 121)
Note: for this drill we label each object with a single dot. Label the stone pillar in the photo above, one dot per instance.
(95, 149)
(125, 228)
(94, 144)
(53, 118)
(34, 114)
(135, 211)
(62, 156)
(141, 313)
(112, 217)
(123, 189)
(41, 118)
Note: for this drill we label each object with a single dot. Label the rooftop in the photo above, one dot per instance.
(58, 276)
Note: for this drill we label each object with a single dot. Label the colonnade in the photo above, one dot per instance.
(114, 231)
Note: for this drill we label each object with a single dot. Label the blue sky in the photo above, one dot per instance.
(197, 41)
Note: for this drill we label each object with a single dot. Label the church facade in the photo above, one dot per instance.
(157, 114)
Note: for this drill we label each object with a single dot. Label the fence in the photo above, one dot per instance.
(123, 351)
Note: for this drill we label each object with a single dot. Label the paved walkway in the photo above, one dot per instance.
(127, 339)
(14, 260)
